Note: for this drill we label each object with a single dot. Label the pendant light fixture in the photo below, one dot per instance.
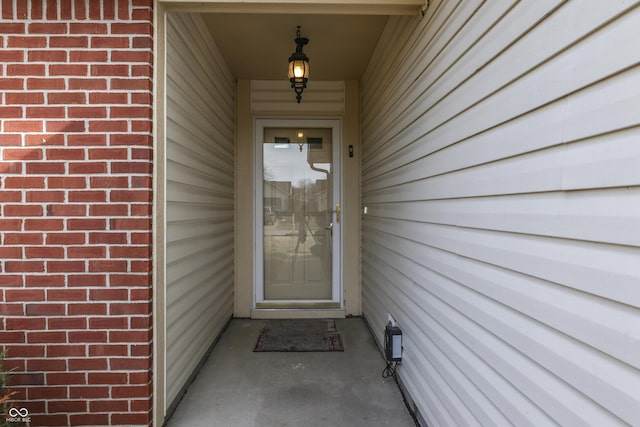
(299, 66)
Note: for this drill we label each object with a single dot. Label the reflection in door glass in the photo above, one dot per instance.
(297, 221)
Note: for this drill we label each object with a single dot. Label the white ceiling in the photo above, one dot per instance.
(257, 46)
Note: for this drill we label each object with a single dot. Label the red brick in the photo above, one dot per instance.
(10, 112)
(107, 266)
(87, 196)
(44, 252)
(65, 238)
(11, 55)
(45, 83)
(7, 280)
(87, 84)
(140, 323)
(108, 98)
(87, 280)
(131, 84)
(86, 224)
(45, 196)
(45, 309)
(27, 350)
(10, 224)
(130, 224)
(66, 210)
(107, 237)
(24, 295)
(130, 391)
(67, 323)
(108, 350)
(108, 153)
(109, 182)
(87, 140)
(129, 336)
(12, 28)
(131, 28)
(45, 113)
(36, 10)
(141, 210)
(130, 418)
(26, 378)
(68, 70)
(88, 56)
(69, 41)
(24, 267)
(46, 168)
(108, 126)
(44, 224)
(109, 323)
(46, 393)
(130, 196)
(27, 42)
(9, 83)
(11, 310)
(108, 210)
(11, 337)
(140, 405)
(87, 336)
(109, 42)
(142, 98)
(47, 28)
(130, 112)
(8, 139)
(131, 56)
(80, 13)
(88, 392)
(22, 323)
(10, 196)
(106, 378)
(87, 308)
(87, 112)
(65, 378)
(23, 238)
(22, 210)
(46, 365)
(66, 98)
(129, 364)
(10, 252)
(67, 406)
(87, 168)
(45, 139)
(67, 350)
(109, 406)
(24, 98)
(46, 337)
(109, 70)
(92, 364)
(24, 182)
(87, 28)
(65, 126)
(132, 167)
(65, 266)
(140, 350)
(11, 168)
(66, 295)
(52, 419)
(86, 252)
(22, 154)
(109, 294)
(25, 70)
(66, 9)
(47, 281)
(47, 56)
(66, 182)
(130, 252)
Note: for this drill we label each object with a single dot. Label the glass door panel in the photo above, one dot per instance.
(298, 214)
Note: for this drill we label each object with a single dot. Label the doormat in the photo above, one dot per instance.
(293, 335)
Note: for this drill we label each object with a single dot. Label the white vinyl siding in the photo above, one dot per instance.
(200, 182)
(501, 174)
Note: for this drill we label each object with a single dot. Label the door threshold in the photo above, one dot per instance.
(272, 313)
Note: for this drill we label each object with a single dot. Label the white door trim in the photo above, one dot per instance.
(336, 128)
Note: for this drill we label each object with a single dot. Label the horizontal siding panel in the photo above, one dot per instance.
(502, 190)
(200, 197)
(320, 97)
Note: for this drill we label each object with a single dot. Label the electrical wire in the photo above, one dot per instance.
(389, 370)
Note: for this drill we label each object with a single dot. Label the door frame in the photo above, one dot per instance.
(337, 301)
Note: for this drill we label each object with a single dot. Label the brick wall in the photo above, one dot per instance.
(75, 206)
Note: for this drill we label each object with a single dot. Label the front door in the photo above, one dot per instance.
(298, 214)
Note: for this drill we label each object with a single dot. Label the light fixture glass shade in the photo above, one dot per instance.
(299, 67)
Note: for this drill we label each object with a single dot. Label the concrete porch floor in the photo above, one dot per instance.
(237, 387)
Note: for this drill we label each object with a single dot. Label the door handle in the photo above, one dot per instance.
(329, 227)
(338, 213)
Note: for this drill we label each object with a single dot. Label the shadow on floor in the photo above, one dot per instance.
(237, 387)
